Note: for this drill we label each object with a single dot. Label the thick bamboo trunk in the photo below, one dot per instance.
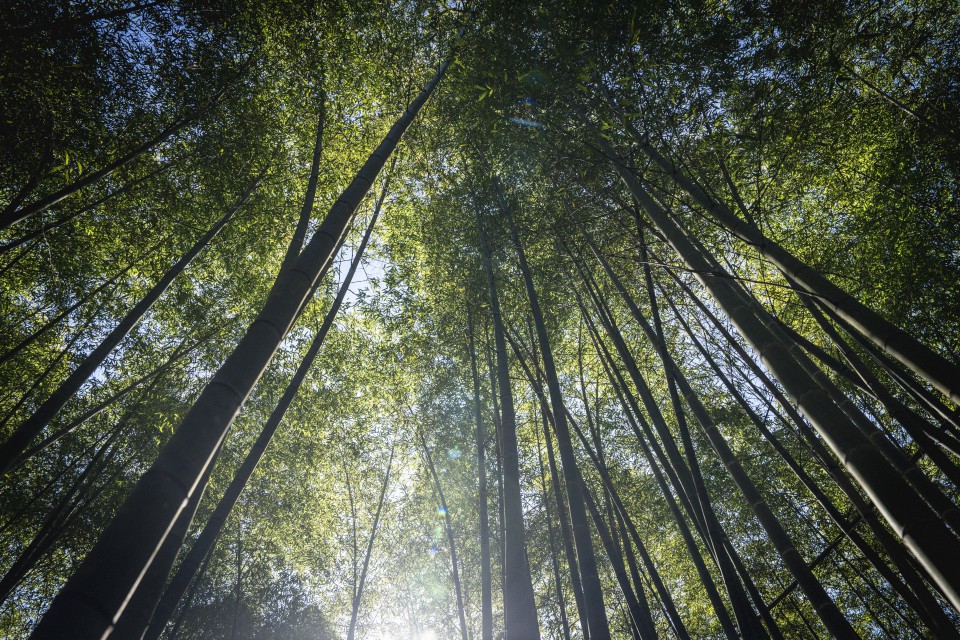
(141, 605)
(211, 531)
(520, 613)
(551, 532)
(94, 598)
(598, 627)
(486, 582)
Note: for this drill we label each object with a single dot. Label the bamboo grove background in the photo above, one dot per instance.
(506, 320)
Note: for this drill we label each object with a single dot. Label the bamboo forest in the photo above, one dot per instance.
(479, 319)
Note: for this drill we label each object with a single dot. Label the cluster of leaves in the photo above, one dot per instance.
(831, 125)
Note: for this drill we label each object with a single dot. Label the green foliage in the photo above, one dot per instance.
(830, 125)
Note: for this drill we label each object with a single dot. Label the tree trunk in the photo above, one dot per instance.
(486, 593)
(211, 531)
(598, 627)
(520, 612)
(94, 598)
(939, 624)
(920, 527)
(303, 222)
(554, 560)
(893, 547)
(650, 447)
(140, 607)
(672, 614)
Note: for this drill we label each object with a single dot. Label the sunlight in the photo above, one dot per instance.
(390, 634)
(376, 320)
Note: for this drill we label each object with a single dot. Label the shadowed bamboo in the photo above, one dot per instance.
(670, 462)
(669, 607)
(598, 627)
(95, 596)
(486, 594)
(551, 532)
(921, 528)
(922, 360)
(10, 218)
(519, 606)
(218, 519)
(893, 547)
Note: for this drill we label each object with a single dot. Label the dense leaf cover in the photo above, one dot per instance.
(579, 274)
